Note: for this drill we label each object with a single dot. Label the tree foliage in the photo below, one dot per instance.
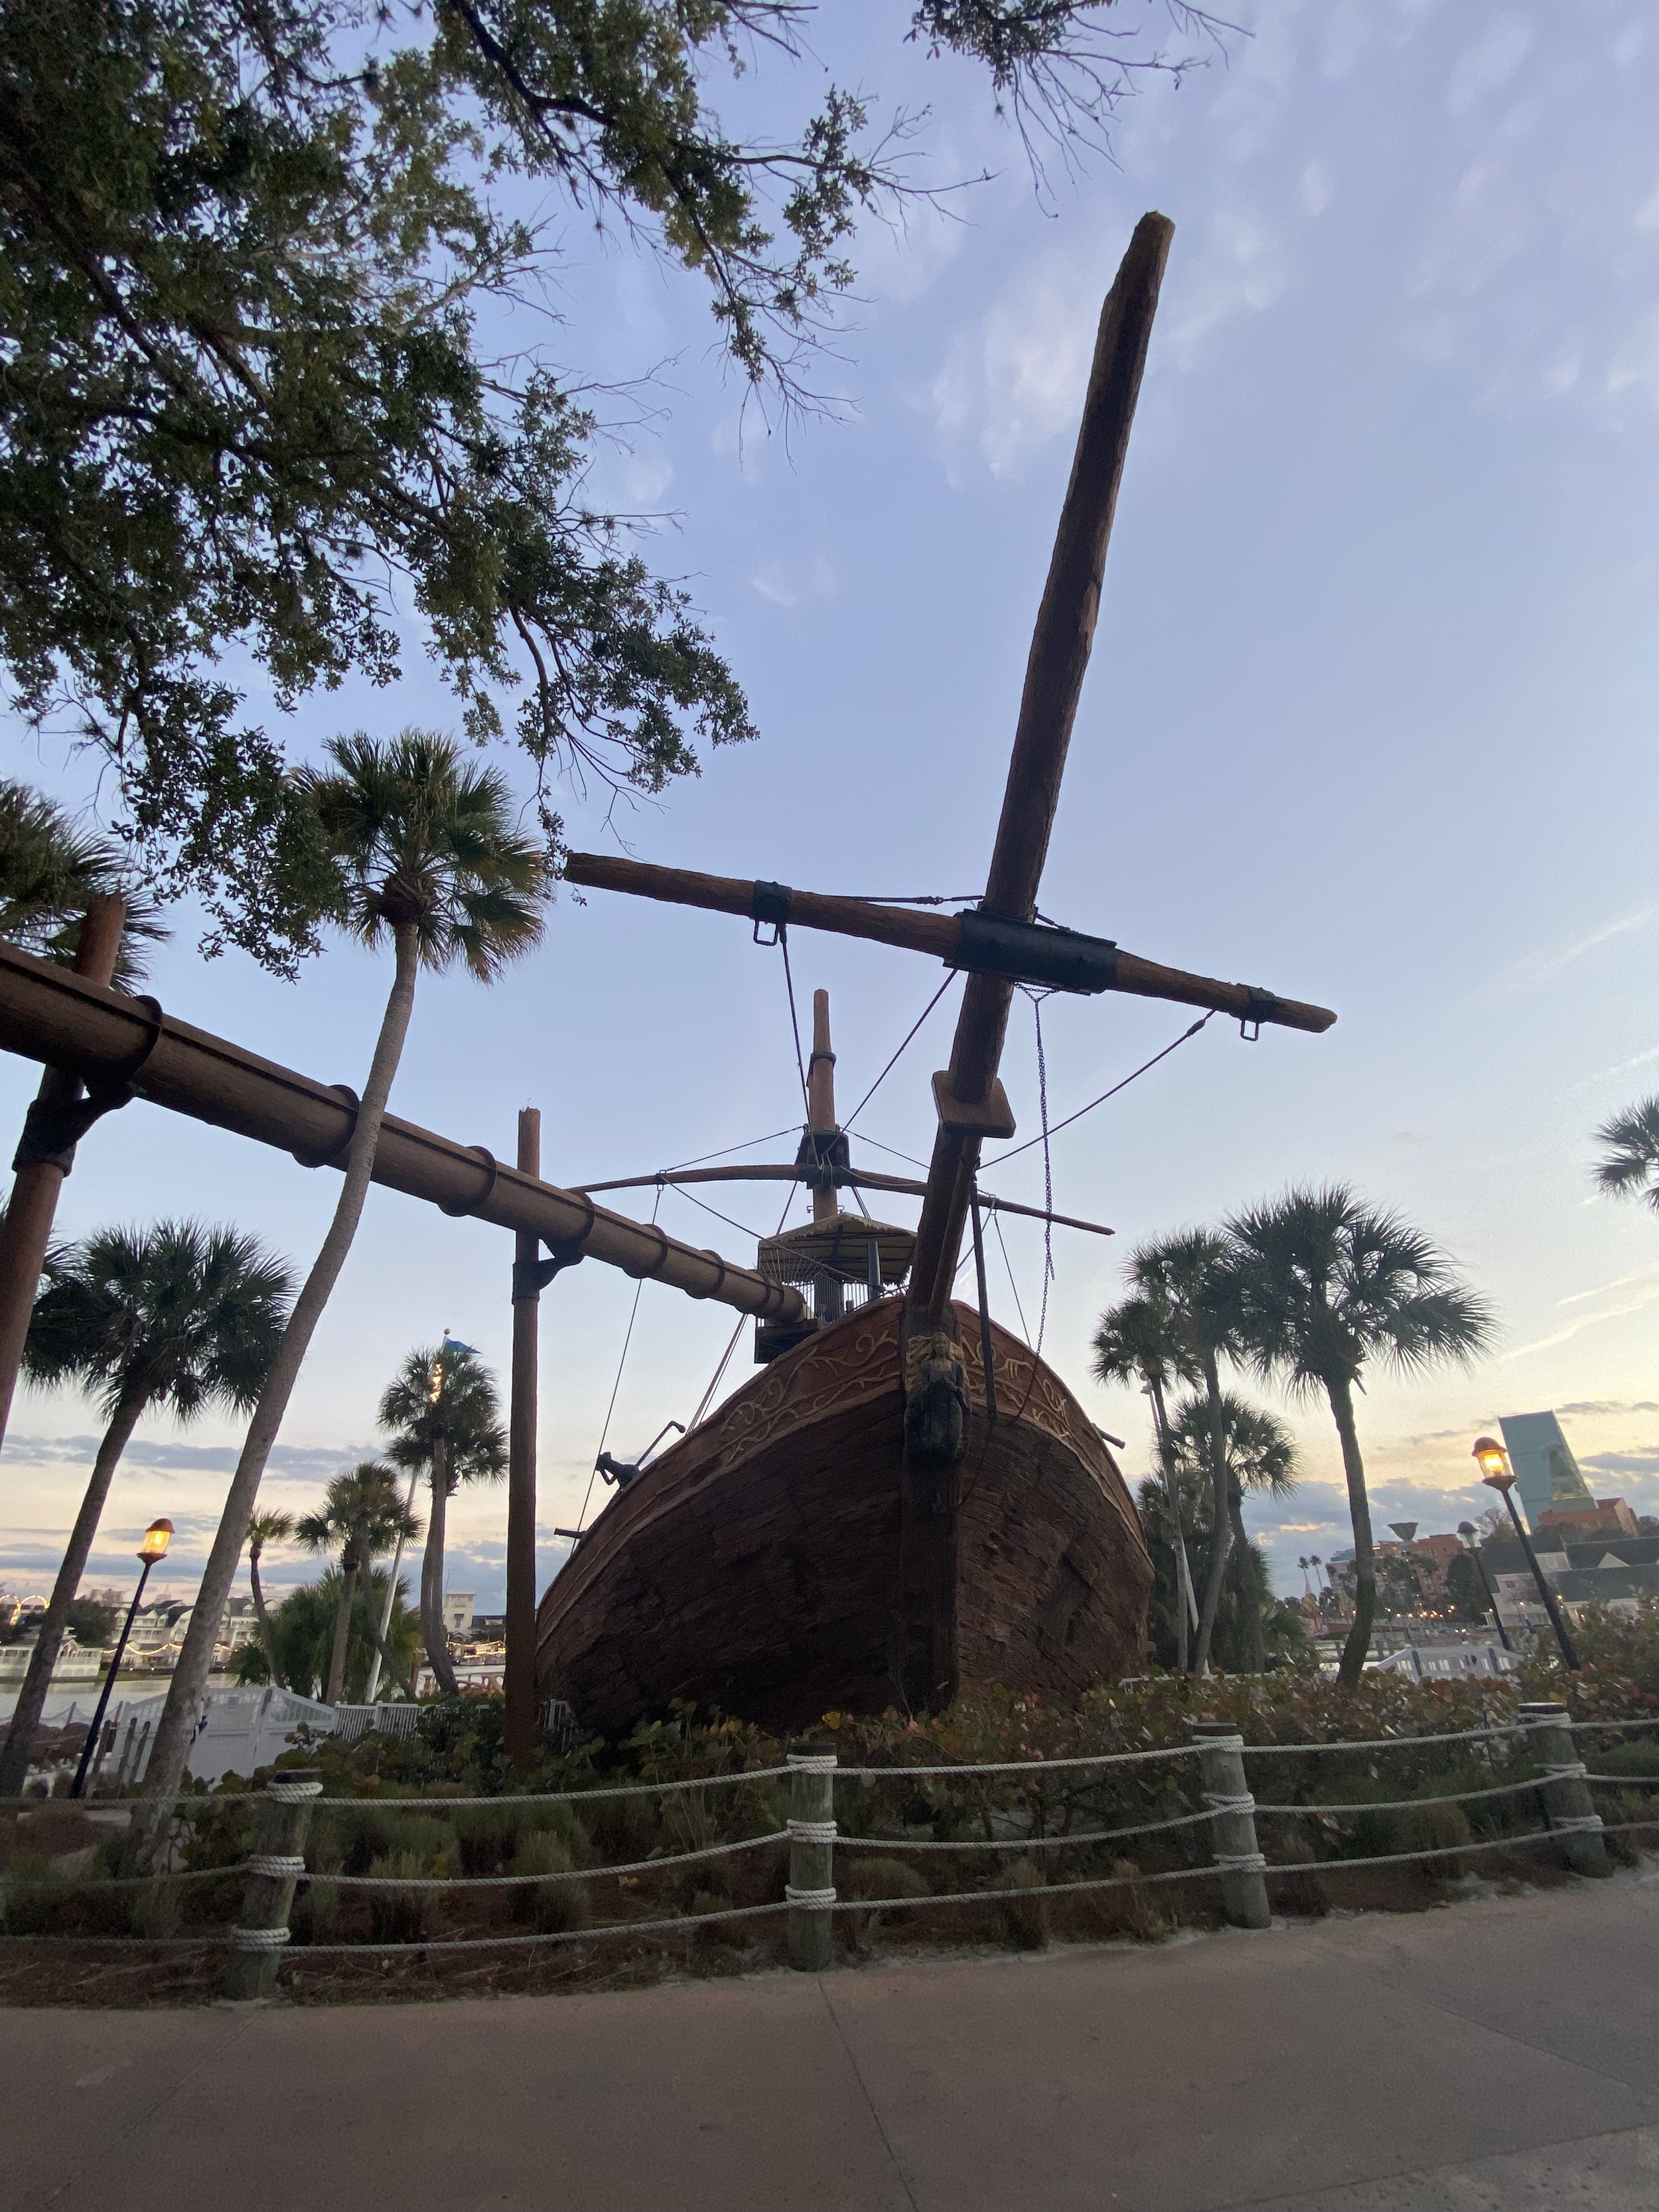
(256, 256)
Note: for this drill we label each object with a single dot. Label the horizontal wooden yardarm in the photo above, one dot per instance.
(113, 1041)
(939, 934)
(845, 1179)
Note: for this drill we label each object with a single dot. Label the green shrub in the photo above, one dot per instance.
(554, 1907)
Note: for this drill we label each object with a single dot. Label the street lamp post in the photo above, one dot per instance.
(1497, 1474)
(1467, 1531)
(157, 1537)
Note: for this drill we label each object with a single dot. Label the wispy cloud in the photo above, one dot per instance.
(1545, 967)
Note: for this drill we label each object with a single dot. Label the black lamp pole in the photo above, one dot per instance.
(157, 1538)
(1467, 1528)
(1558, 1619)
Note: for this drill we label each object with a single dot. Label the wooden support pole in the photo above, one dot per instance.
(821, 1099)
(810, 1889)
(520, 1684)
(1567, 1800)
(1243, 1868)
(33, 1207)
(260, 1936)
(100, 1036)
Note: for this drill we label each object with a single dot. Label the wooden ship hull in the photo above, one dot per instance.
(754, 1566)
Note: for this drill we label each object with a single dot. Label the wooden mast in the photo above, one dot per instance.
(971, 1105)
(821, 1105)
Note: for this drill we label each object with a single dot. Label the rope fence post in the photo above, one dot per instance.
(1567, 1802)
(1243, 1868)
(256, 1940)
(810, 1888)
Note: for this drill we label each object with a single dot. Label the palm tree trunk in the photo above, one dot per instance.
(174, 1736)
(1249, 1610)
(336, 1657)
(14, 1754)
(262, 1614)
(377, 1637)
(1219, 1526)
(1183, 1568)
(1352, 1662)
(433, 1634)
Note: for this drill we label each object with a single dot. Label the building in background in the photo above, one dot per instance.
(457, 1611)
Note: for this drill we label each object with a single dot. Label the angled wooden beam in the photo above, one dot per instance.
(123, 1048)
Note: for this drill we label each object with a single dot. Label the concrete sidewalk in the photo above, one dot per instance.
(1496, 2054)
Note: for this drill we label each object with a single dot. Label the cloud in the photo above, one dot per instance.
(1016, 380)
(1545, 967)
(1313, 191)
(785, 588)
(1489, 65)
(1240, 270)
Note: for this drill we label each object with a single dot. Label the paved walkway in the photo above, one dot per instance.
(1493, 2055)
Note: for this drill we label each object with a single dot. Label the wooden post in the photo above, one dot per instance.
(520, 1717)
(32, 1206)
(1567, 1801)
(1243, 1868)
(258, 1939)
(810, 1889)
(821, 1100)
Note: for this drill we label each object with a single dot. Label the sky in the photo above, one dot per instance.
(1369, 722)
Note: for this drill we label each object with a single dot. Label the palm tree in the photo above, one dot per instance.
(1321, 1284)
(1137, 1339)
(1631, 1167)
(1261, 1456)
(302, 1629)
(1187, 1276)
(177, 1316)
(430, 858)
(51, 872)
(445, 1419)
(264, 1528)
(363, 1513)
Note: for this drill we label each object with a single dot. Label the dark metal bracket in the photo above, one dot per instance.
(532, 1277)
(768, 908)
(53, 1126)
(1261, 1008)
(1035, 952)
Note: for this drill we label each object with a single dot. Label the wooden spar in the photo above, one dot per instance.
(821, 1102)
(1054, 681)
(940, 934)
(110, 1041)
(852, 1178)
(520, 1683)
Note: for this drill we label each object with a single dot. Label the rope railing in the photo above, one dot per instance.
(272, 1873)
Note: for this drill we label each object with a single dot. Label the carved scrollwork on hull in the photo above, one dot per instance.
(841, 1368)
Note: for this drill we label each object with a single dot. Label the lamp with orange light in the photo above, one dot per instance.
(1497, 1474)
(154, 1547)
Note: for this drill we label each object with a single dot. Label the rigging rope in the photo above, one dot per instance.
(1036, 998)
(915, 898)
(794, 1019)
(771, 1136)
(894, 1061)
(742, 1227)
(1024, 1327)
(732, 1343)
(633, 1316)
(894, 1150)
(1103, 1096)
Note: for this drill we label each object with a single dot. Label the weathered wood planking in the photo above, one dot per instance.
(753, 1565)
